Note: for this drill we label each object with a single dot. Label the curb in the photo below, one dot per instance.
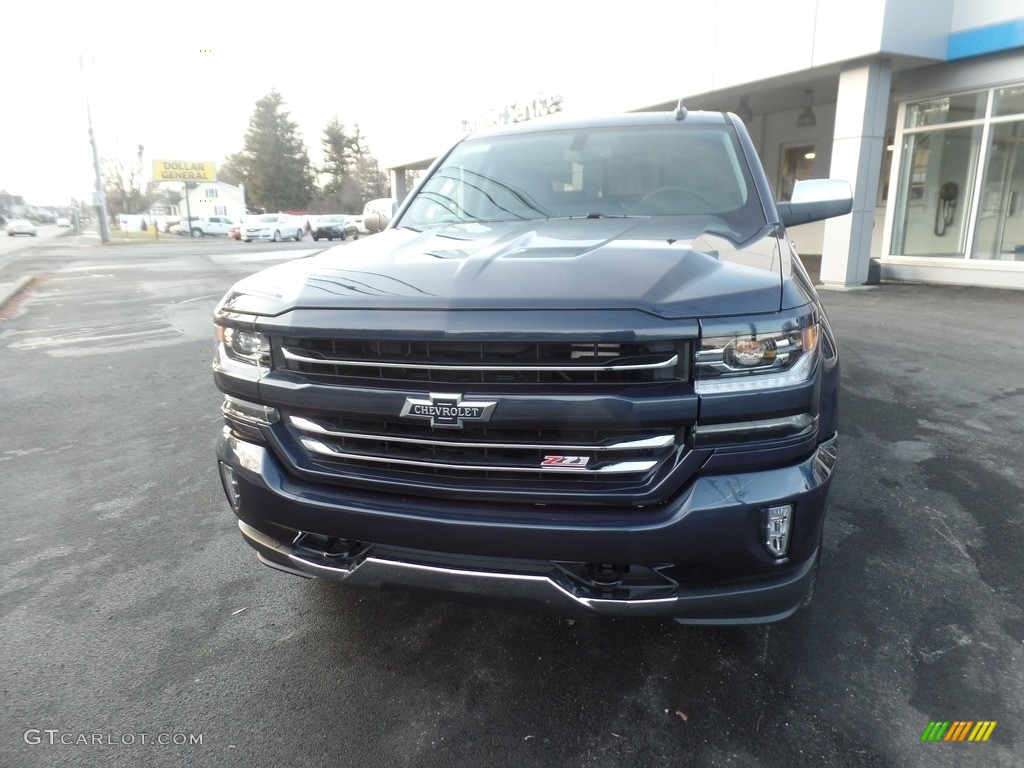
(9, 290)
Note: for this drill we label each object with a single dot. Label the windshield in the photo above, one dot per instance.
(618, 171)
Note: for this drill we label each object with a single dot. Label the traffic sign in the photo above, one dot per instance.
(97, 198)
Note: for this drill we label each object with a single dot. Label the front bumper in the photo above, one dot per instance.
(697, 559)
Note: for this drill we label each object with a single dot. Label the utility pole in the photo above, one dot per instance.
(101, 208)
(188, 209)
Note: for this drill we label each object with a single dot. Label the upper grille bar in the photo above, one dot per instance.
(670, 362)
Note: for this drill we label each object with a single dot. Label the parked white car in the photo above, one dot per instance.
(273, 226)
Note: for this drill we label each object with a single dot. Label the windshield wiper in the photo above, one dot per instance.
(589, 215)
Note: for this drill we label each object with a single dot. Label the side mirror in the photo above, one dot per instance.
(816, 199)
(378, 213)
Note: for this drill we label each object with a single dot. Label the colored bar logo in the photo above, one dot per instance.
(958, 730)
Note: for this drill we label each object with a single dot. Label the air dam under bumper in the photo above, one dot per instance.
(764, 601)
(275, 511)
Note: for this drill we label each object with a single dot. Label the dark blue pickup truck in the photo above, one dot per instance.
(581, 368)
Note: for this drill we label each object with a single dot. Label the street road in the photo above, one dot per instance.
(46, 234)
(139, 630)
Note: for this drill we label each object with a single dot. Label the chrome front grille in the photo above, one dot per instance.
(515, 454)
(342, 361)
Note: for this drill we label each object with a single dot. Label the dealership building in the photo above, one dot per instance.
(918, 103)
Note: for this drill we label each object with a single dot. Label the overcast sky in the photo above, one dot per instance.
(182, 78)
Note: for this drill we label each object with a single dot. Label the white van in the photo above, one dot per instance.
(377, 213)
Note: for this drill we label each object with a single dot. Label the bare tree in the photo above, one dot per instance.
(123, 184)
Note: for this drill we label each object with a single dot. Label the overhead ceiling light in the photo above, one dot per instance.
(744, 112)
(807, 118)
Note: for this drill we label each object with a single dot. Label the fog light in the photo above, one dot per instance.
(251, 413)
(778, 522)
(230, 481)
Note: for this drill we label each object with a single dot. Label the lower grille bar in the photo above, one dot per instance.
(648, 443)
(622, 467)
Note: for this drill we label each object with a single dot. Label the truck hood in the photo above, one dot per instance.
(672, 267)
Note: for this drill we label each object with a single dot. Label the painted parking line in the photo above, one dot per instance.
(278, 255)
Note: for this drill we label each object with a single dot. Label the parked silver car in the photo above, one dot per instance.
(21, 227)
(273, 226)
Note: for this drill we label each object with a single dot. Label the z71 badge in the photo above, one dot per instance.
(579, 462)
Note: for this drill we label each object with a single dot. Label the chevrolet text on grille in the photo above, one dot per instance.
(445, 410)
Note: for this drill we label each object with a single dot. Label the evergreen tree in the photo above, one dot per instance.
(337, 157)
(233, 170)
(353, 174)
(273, 164)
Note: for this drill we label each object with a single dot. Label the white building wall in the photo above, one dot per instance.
(917, 28)
(968, 14)
(228, 201)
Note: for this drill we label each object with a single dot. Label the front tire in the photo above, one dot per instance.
(298, 235)
(277, 237)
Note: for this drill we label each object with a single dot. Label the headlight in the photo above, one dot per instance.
(245, 346)
(757, 360)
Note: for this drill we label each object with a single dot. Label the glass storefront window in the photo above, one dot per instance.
(1009, 101)
(947, 109)
(999, 231)
(960, 192)
(936, 179)
(797, 164)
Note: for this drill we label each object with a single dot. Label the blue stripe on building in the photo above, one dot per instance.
(982, 40)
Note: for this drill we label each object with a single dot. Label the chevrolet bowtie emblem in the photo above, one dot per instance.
(447, 410)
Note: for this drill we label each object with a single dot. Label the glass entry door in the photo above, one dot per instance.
(1000, 226)
(937, 176)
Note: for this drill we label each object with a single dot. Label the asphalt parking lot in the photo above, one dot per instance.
(130, 608)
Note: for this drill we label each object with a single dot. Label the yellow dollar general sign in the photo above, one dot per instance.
(184, 170)
(958, 730)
